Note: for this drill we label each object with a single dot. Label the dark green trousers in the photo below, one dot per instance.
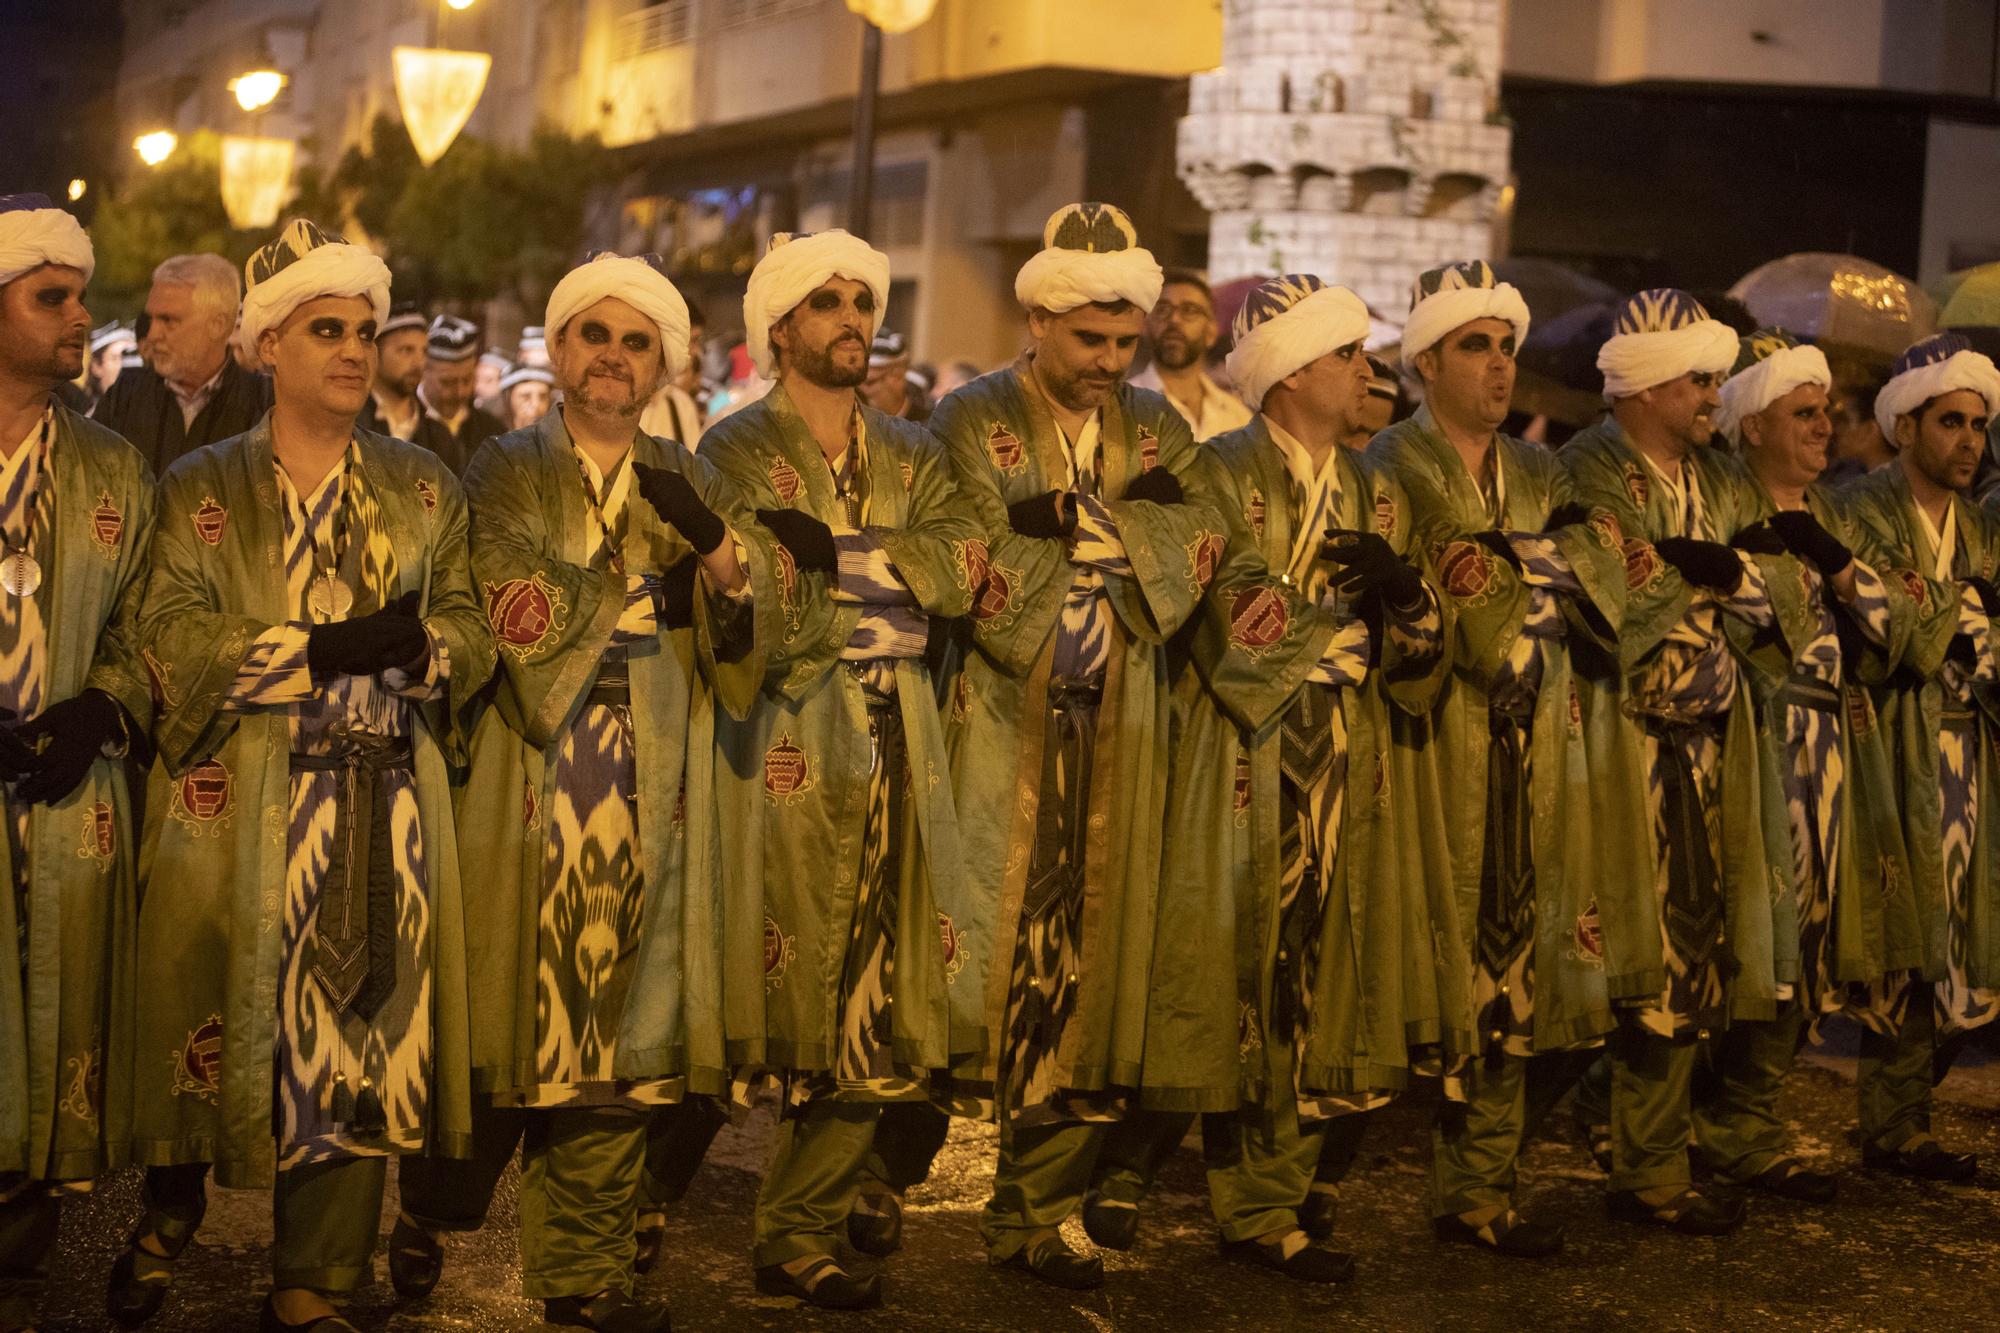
(29, 1214)
(1039, 1180)
(1476, 1144)
(1742, 1070)
(814, 1173)
(326, 1217)
(1652, 1114)
(1896, 1074)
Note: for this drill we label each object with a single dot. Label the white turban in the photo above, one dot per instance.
(1770, 365)
(1937, 365)
(636, 283)
(34, 232)
(1090, 254)
(303, 264)
(1287, 323)
(1661, 335)
(1446, 298)
(792, 268)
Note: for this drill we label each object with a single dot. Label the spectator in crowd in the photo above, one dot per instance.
(890, 388)
(951, 376)
(486, 377)
(534, 348)
(108, 347)
(402, 346)
(674, 413)
(1180, 333)
(450, 364)
(524, 396)
(1385, 396)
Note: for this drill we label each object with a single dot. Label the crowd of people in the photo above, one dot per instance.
(545, 758)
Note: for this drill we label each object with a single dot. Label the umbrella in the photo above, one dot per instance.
(1840, 300)
(1550, 288)
(1559, 375)
(1974, 299)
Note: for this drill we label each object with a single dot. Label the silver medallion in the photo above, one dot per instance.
(20, 573)
(331, 598)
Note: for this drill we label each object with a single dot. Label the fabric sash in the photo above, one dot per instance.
(354, 928)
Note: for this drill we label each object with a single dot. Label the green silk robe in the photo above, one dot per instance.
(793, 771)
(1606, 471)
(1597, 938)
(1004, 446)
(552, 619)
(1375, 991)
(66, 1018)
(1909, 703)
(215, 851)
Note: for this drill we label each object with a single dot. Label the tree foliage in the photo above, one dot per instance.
(172, 209)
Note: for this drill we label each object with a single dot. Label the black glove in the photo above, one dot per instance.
(809, 540)
(673, 596)
(1496, 542)
(1709, 564)
(673, 498)
(1369, 565)
(1759, 539)
(70, 736)
(1044, 515)
(1988, 595)
(1807, 540)
(1567, 515)
(366, 645)
(1156, 484)
(17, 757)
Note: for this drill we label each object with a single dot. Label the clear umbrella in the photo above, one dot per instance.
(1843, 301)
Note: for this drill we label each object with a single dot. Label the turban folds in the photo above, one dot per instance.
(303, 264)
(1932, 367)
(1090, 254)
(34, 232)
(1770, 363)
(792, 269)
(1445, 298)
(1287, 323)
(635, 282)
(1661, 335)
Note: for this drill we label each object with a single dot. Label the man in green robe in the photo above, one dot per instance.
(1849, 875)
(310, 627)
(1939, 718)
(613, 585)
(1099, 542)
(1291, 968)
(842, 860)
(76, 513)
(1718, 839)
(1549, 875)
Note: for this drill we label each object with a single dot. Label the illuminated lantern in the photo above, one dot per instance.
(156, 147)
(437, 91)
(893, 15)
(256, 177)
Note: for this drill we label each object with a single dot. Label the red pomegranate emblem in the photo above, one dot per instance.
(100, 833)
(1860, 710)
(785, 768)
(1590, 934)
(788, 572)
(1636, 485)
(1915, 586)
(1467, 568)
(950, 938)
(1206, 557)
(209, 520)
(427, 493)
(107, 525)
(205, 791)
(1254, 513)
(1605, 524)
(1385, 515)
(1575, 711)
(1005, 447)
(996, 594)
(785, 480)
(976, 561)
(201, 1056)
(1642, 563)
(777, 953)
(1149, 450)
(1242, 791)
(529, 809)
(520, 612)
(1257, 617)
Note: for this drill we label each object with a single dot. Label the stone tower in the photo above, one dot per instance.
(1360, 140)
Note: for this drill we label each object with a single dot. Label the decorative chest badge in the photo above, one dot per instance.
(1385, 515)
(1253, 513)
(1467, 567)
(427, 494)
(785, 480)
(1642, 564)
(100, 833)
(1257, 619)
(1149, 450)
(1005, 447)
(1204, 558)
(1636, 485)
(210, 519)
(107, 525)
(954, 948)
(779, 951)
(205, 798)
(788, 772)
(525, 614)
(197, 1064)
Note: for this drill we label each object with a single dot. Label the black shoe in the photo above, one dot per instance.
(268, 1322)
(1789, 1178)
(1318, 1213)
(416, 1261)
(1690, 1212)
(140, 1281)
(1509, 1233)
(1115, 1226)
(1308, 1264)
(1054, 1262)
(1926, 1161)
(879, 1229)
(646, 1243)
(826, 1284)
(608, 1312)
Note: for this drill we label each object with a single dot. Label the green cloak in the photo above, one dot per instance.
(65, 1019)
(215, 850)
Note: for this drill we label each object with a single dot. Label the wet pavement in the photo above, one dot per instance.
(1889, 1254)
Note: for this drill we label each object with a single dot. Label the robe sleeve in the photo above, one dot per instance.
(1160, 592)
(116, 667)
(454, 615)
(1657, 597)
(929, 551)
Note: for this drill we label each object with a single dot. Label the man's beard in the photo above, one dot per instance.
(581, 395)
(1176, 355)
(818, 365)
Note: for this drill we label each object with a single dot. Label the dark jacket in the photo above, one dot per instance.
(142, 408)
(431, 434)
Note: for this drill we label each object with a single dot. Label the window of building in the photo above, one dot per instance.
(745, 13)
(653, 26)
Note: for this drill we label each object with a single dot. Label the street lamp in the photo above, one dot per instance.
(877, 16)
(437, 90)
(77, 186)
(156, 147)
(257, 89)
(460, 5)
